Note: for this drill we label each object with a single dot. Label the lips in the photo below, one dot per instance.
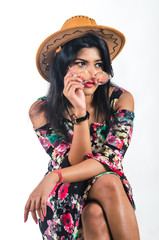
(89, 84)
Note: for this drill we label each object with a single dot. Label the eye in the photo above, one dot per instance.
(99, 65)
(80, 64)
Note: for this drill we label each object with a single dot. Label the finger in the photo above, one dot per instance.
(68, 92)
(39, 210)
(71, 80)
(73, 84)
(44, 206)
(70, 71)
(33, 211)
(73, 89)
(26, 210)
(68, 75)
(34, 216)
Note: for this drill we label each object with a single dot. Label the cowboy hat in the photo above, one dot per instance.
(75, 27)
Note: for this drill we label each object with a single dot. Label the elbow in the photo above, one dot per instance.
(74, 160)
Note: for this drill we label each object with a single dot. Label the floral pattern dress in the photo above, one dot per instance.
(65, 203)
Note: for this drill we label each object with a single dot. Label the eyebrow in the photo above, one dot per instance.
(99, 60)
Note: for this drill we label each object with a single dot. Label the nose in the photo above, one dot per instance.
(92, 70)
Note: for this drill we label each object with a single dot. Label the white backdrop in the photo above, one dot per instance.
(24, 25)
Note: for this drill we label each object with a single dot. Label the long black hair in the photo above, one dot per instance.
(57, 105)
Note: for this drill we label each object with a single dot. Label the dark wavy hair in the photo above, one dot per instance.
(56, 107)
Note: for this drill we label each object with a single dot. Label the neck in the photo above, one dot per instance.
(93, 112)
(89, 101)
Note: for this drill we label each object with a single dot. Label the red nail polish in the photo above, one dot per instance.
(44, 214)
(36, 222)
(42, 219)
(24, 220)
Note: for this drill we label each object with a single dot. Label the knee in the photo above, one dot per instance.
(92, 215)
(109, 183)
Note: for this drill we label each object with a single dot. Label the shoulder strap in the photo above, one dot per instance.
(44, 99)
(115, 96)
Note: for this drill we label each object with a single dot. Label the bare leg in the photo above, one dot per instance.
(109, 192)
(94, 223)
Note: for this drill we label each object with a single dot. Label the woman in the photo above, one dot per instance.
(85, 125)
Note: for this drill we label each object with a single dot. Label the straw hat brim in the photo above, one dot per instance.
(114, 39)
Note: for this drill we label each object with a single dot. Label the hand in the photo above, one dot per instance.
(36, 203)
(73, 91)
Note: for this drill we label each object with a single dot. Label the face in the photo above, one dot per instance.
(88, 59)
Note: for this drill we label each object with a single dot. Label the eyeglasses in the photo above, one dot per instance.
(99, 78)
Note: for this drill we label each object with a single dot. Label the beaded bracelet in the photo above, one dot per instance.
(60, 176)
(60, 181)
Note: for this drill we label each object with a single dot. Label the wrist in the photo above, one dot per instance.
(57, 176)
(76, 120)
(80, 113)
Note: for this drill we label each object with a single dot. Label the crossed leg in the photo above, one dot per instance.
(108, 191)
(94, 223)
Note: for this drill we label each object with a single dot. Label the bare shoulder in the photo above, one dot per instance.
(37, 115)
(126, 101)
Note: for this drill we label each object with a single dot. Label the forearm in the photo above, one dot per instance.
(82, 171)
(81, 144)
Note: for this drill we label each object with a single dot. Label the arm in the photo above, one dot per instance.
(119, 136)
(81, 140)
(55, 144)
(37, 200)
(81, 144)
(81, 171)
(115, 146)
(85, 169)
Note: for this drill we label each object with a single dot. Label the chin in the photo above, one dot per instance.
(89, 91)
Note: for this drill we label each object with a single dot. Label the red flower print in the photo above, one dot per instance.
(45, 143)
(67, 220)
(118, 172)
(43, 132)
(126, 182)
(115, 141)
(62, 148)
(120, 114)
(63, 191)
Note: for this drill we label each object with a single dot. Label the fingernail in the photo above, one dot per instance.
(42, 219)
(24, 220)
(36, 222)
(44, 214)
